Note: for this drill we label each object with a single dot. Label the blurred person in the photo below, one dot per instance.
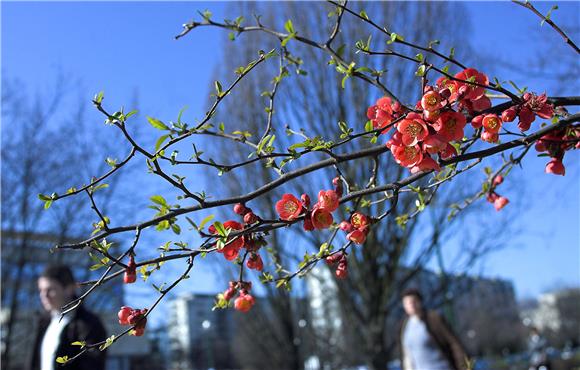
(54, 335)
(425, 339)
(537, 348)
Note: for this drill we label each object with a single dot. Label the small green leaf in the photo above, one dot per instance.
(98, 99)
(62, 360)
(159, 200)
(205, 221)
(160, 142)
(107, 343)
(364, 15)
(157, 123)
(43, 197)
(220, 228)
(81, 344)
(289, 26)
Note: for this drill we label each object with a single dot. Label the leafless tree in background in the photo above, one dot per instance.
(48, 142)
(309, 99)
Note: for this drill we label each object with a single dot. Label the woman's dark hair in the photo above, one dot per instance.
(60, 273)
(412, 292)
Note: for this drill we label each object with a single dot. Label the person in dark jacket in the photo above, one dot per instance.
(54, 336)
(426, 341)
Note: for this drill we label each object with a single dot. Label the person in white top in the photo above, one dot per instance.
(426, 341)
(55, 335)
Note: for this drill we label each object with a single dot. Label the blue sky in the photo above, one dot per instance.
(121, 48)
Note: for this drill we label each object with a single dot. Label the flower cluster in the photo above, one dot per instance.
(135, 317)
(497, 200)
(441, 115)
(555, 144)
(357, 229)
(339, 258)
(532, 105)
(245, 300)
(439, 123)
(251, 242)
(319, 216)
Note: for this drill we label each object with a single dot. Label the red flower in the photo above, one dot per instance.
(124, 314)
(408, 156)
(359, 220)
(240, 209)
(427, 164)
(346, 226)
(230, 293)
(450, 85)
(556, 167)
(432, 101)
(509, 114)
(328, 200)
(244, 302)
(526, 117)
(490, 137)
(250, 218)
(381, 114)
(394, 141)
(357, 236)
(539, 105)
(130, 275)
(480, 104)
(136, 317)
(491, 197)
(232, 248)
(321, 218)
(472, 75)
(500, 202)
(230, 252)
(449, 152)
(289, 207)
(255, 262)
(491, 123)
(434, 143)
(477, 121)
(497, 180)
(450, 125)
(413, 129)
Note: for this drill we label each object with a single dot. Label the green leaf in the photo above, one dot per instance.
(232, 36)
(395, 37)
(218, 88)
(205, 221)
(99, 97)
(221, 230)
(44, 197)
(107, 343)
(285, 41)
(157, 123)
(160, 142)
(343, 82)
(62, 360)
(364, 15)
(111, 162)
(369, 126)
(81, 344)
(549, 14)
(159, 200)
(289, 26)
(420, 71)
